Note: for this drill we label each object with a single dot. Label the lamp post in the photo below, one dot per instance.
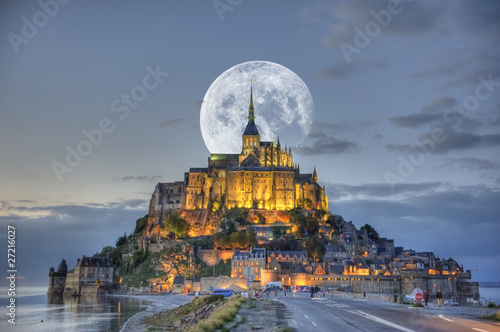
(249, 281)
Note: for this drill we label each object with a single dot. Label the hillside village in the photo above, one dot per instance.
(248, 219)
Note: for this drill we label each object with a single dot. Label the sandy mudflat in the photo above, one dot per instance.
(136, 323)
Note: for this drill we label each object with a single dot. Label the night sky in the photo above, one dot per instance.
(406, 130)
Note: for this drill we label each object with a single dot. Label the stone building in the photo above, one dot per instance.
(57, 280)
(91, 275)
(263, 176)
(296, 257)
(335, 253)
(248, 263)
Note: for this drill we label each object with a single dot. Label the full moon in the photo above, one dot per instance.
(283, 105)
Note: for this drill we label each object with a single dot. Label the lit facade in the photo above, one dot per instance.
(262, 176)
(248, 263)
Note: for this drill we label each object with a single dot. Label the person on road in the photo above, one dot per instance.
(426, 297)
(439, 298)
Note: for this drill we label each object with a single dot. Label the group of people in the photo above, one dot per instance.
(439, 297)
(315, 290)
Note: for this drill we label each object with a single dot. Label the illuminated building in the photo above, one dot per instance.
(263, 176)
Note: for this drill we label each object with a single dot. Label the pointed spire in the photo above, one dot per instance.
(278, 145)
(251, 128)
(315, 175)
(251, 115)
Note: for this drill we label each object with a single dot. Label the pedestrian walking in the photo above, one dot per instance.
(426, 297)
(439, 298)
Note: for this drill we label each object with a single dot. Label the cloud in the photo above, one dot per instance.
(145, 178)
(430, 113)
(478, 18)
(453, 141)
(342, 70)
(358, 127)
(339, 19)
(378, 191)
(415, 20)
(66, 231)
(415, 120)
(323, 144)
(471, 164)
(172, 122)
(463, 64)
(399, 147)
(459, 140)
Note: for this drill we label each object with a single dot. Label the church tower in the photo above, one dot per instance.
(251, 136)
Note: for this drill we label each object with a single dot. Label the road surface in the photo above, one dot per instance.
(347, 314)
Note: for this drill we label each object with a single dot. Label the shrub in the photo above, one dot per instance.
(490, 305)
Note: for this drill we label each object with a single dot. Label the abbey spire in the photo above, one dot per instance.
(251, 115)
(251, 128)
(251, 137)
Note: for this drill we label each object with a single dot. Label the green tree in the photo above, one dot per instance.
(277, 232)
(236, 215)
(299, 225)
(177, 225)
(336, 221)
(315, 248)
(308, 204)
(372, 233)
(311, 226)
(228, 227)
(140, 224)
(292, 244)
(121, 240)
(251, 237)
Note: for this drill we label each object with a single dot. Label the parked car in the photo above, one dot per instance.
(222, 291)
(273, 284)
(450, 303)
(304, 289)
(272, 289)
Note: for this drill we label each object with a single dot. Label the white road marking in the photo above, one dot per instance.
(379, 320)
(449, 320)
(475, 328)
(338, 305)
(306, 317)
(314, 324)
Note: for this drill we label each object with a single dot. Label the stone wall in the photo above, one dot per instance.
(162, 245)
(213, 257)
(447, 284)
(396, 285)
(225, 255)
(271, 216)
(235, 284)
(56, 284)
(209, 257)
(268, 275)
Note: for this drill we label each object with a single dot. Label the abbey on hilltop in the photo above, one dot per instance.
(263, 176)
